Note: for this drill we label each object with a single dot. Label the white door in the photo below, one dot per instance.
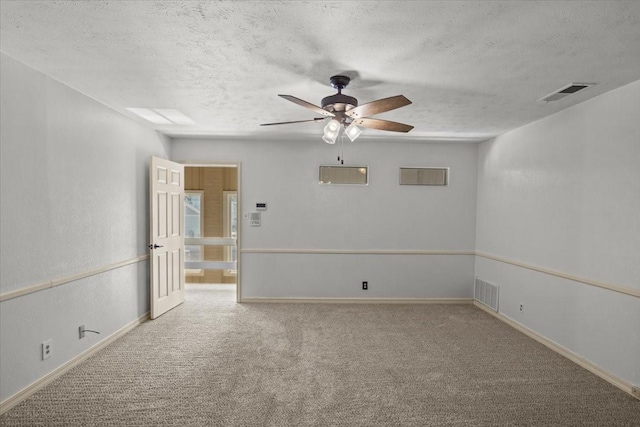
(167, 230)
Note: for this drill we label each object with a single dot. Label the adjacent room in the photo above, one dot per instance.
(210, 212)
(294, 213)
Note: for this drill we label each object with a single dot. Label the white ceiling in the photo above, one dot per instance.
(472, 69)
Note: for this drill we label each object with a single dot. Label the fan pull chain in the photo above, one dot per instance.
(341, 156)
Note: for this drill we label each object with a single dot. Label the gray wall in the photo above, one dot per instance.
(563, 193)
(73, 198)
(304, 215)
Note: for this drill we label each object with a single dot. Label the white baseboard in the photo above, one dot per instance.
(12, 401)
(586, 364)
(359, 300)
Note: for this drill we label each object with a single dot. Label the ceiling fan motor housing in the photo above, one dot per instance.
(339, 103)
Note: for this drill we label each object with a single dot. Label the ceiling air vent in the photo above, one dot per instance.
(565, 91)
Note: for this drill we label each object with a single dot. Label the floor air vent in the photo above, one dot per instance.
(486, 293)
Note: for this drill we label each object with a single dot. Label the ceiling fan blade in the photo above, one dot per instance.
(382, 125)
(379, 106)
(317, 119)
(307, 105)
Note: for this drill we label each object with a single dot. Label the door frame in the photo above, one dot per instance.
(238, 166)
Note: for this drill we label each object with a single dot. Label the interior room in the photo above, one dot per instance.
(211, 195)
(382, 213)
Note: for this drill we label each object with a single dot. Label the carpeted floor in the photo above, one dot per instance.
(212, 362)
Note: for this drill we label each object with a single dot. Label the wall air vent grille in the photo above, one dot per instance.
(565, 91)
(486, 293)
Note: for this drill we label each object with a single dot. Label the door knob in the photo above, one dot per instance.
(155, 246)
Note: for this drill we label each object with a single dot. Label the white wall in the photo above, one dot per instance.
(73, 198)
(563, 193)
(381, 216)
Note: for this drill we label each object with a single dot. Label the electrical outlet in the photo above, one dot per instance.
(365, 286)
(81, 331)
(521, 307)
(47, 349)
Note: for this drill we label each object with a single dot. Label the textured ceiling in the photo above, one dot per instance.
(472, 69)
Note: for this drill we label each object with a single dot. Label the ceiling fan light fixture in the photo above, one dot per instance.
(331, 131)
(332, 126)
(353, 132)
(329, 139)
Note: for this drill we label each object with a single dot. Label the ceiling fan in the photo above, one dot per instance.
(345, 112)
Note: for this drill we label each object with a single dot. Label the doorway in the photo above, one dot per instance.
(212, 226)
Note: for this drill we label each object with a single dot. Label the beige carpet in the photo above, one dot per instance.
(212, 362)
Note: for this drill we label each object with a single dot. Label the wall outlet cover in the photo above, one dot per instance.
(47, 349)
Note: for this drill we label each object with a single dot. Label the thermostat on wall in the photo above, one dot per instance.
(261, 206)
(254, 219)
